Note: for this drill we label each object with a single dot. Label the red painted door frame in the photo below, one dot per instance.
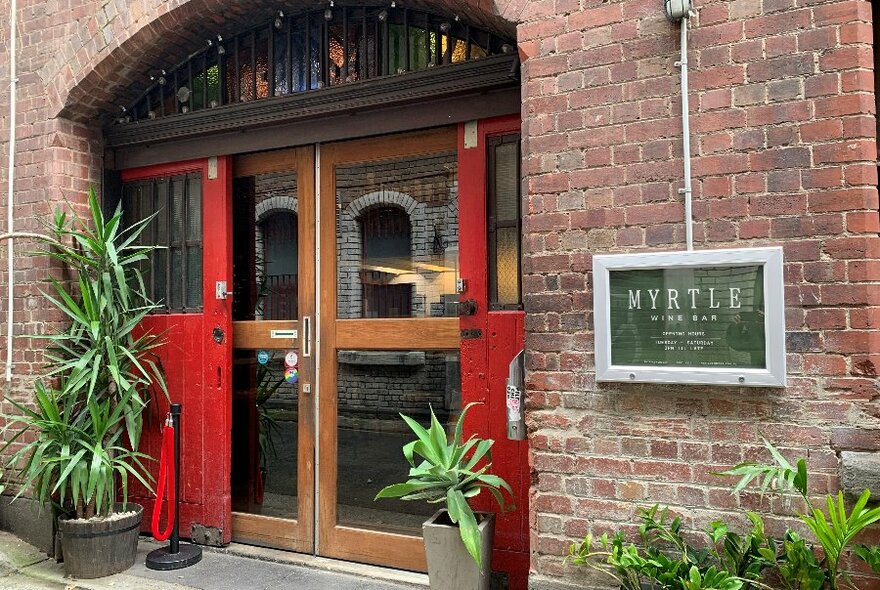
(484, 360)
(198, 368)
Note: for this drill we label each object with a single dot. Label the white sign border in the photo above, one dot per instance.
(774, 318)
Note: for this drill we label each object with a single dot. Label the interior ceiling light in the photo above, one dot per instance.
(279, 20)
(328, 13)
(220, 49)
(383, 15)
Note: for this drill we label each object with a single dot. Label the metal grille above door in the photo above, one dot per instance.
(318, 49)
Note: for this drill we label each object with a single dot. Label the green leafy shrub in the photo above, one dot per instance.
(729, 560)
(87, 425)
(664, 559)
(833, 528)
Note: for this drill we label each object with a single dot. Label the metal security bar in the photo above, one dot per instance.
(297, 53)
(172, 272)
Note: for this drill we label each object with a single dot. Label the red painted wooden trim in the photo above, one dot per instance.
(500, 126)
(217, 408)
(198, 369)
(159, 170)
(484, 360)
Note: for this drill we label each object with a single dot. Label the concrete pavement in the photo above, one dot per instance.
(237, 567)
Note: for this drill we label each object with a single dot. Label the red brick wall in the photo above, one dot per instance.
(784, 152)
(55, 161)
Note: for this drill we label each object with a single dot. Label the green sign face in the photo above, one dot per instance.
(707, 317)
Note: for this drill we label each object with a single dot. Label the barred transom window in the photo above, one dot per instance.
(324, 48)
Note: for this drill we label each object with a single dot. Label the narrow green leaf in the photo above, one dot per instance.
(467, 523)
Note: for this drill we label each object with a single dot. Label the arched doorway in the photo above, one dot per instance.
(345, 145)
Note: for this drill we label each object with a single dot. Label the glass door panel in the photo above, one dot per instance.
(264, 433)
(372, 387)
(389, 332)
(397, 238)
(272, 302)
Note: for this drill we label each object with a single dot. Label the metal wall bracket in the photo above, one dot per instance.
(471, 334)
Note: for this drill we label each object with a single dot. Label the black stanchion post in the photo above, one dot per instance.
(174, 547)
(175, 556)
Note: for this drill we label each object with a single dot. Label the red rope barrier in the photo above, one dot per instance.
(165, 484)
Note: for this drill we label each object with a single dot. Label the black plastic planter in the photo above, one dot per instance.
(100, 547)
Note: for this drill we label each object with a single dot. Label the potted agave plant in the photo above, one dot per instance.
(458, 542)
(80, 437)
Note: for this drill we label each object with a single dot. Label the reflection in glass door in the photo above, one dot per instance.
(272, 299)
(389, 332)
(386, 338)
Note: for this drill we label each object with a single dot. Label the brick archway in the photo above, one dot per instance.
(109, 59)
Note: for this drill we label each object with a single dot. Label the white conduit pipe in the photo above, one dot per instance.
(13, 83)
(686, 137)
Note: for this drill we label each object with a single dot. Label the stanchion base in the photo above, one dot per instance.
(161, 559)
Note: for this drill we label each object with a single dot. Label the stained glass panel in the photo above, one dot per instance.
(245, 70)
(298, 52)
(396, 49)
(335, 65)
(309, 51)
(282, 67)
(315, 60)
(262, 64)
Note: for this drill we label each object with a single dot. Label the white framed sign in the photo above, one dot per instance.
(714, 317)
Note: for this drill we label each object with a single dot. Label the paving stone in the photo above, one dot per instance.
(23, 567)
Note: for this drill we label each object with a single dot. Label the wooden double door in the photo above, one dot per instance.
(345, 313)
(326, 289)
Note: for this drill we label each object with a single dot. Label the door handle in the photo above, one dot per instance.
(220, 291)
(307, 336)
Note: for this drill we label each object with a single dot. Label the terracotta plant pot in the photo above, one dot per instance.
(450, 566)
(100, 547)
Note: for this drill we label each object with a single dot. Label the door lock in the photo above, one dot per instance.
(218, 335)
(467, 307)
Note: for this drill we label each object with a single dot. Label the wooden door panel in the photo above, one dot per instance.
(398, 334)
(369, 334)
(293, 532)
(485, 360)
(196, 365)
(257, 334)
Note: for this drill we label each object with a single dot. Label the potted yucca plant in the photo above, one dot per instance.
(85, 426)
(458, 542)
